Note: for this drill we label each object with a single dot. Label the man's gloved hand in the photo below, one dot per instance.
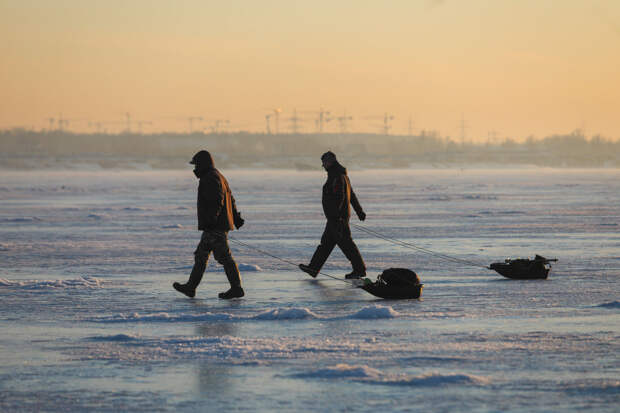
(362, 216)
(239, 221)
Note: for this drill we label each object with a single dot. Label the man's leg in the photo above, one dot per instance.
(352, 253)
(222, 254)
(328, 242)
(201, 258)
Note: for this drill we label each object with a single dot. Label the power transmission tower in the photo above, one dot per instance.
(217, 123)
(343, 122)
(267, 117)
(491, 137)
(387, 125)
(128, 119)
(462, 127)
(294, 122)
(191, 120)
(142, 122)
(323, 118)
(51, 121)
(387, 122)
(62, 123)
(276, 113)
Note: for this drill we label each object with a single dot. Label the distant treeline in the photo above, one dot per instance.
(22, 149)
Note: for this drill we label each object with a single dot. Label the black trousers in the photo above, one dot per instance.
(216, 242)
(337, 232)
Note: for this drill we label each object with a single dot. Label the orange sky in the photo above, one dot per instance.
(518, 67)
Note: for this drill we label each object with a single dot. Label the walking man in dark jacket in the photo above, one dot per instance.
(337, 198)
(217, 214)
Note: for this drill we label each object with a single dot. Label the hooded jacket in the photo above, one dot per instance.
(338, 195)
(216, 205)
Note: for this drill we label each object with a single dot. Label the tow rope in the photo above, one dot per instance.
(420, 249)
(245, 244)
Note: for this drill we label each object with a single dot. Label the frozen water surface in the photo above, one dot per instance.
(89, 321)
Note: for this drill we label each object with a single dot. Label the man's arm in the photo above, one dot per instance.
(355, 203)
(236, 215)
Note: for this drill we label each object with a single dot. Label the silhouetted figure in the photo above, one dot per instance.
(337, 198)
(217, 214)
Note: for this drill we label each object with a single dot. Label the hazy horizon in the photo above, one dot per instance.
(507, 69)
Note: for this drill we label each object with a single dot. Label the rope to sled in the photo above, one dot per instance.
(421, 249)
(236, 241)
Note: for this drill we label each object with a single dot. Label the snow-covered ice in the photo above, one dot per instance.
(89, 321)
(369, 375)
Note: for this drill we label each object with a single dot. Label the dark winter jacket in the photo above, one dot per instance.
(338, 195)
(216, 205)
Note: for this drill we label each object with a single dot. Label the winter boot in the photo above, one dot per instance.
(308, 270)
(185, 289)
(355, 275)
(234, 292)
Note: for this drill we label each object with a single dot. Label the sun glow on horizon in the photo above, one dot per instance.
(478, 68)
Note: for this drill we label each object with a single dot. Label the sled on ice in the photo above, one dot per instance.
(394, 284)
(524, 269)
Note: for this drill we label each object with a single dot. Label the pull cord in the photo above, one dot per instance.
(236, 241)
(420, 249)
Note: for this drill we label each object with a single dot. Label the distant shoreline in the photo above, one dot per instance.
(38, 164)
(22, 149)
